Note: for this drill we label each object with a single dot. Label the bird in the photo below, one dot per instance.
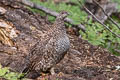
(51, 48)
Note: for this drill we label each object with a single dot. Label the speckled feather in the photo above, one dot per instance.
(51, 48)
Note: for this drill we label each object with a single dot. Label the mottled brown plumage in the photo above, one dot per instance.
(51, 47)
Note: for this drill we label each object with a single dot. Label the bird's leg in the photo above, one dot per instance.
(52, 71)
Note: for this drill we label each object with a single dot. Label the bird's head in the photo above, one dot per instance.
(63, 15)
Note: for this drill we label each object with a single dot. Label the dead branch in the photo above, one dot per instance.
(114, 22)
(50, 12)
(98, 20)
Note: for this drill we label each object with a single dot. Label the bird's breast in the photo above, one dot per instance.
(62, 44)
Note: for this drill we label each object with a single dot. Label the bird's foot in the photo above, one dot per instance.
(43, 74)
(60, 74)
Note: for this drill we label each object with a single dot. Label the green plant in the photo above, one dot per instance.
(5, 73)
(77, 15)
(96, 34)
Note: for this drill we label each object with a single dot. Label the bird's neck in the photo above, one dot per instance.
(59, 24)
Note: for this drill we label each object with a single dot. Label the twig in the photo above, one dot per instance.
(107, 15)
(98, 19)
(50, 12)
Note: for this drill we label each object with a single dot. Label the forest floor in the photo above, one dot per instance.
(83, 61)
(86, 62)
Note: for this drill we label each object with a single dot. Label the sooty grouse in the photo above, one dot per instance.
(51, 47)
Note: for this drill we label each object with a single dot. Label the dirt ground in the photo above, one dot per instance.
(82, 62)
(86, 62)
